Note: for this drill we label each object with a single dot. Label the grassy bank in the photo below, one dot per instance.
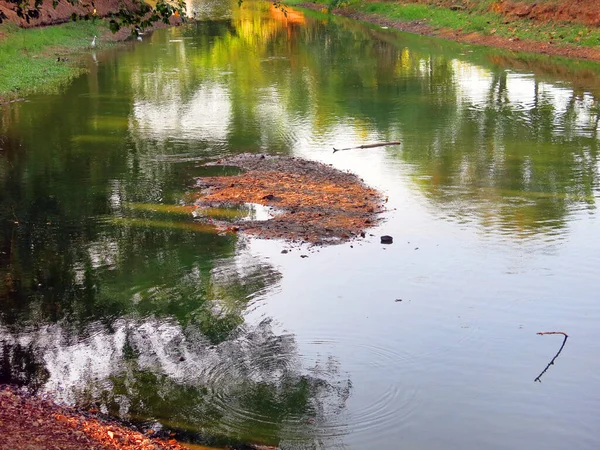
(29, 57)
(480, 18)
(483, 20)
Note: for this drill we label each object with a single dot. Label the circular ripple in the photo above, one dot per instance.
(310, 389)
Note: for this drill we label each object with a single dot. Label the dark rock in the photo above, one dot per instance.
(387, 239)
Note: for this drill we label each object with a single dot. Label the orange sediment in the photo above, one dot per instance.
(314, 201)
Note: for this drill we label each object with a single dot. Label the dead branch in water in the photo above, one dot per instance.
(379, 144)
(539, 377)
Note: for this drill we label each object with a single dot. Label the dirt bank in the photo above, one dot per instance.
(30, 423)
(313, 202)
(585, 12)
(46, 14)
(511, 10)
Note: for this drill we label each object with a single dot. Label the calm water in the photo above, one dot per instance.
(113, 296)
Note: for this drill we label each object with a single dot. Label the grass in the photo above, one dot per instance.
(28, 57)
(480, 19)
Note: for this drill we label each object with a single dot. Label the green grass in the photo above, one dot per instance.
(480, 20)
(28, 57)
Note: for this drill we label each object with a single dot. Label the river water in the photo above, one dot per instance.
(113, 296)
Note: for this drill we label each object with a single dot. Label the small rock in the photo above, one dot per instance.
(284, 251)
(387, 239)
(303, 256)
(398, 299)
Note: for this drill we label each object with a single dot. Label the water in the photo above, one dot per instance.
(115, 297)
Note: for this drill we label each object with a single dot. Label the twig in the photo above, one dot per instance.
(541, 333)
(379, 144)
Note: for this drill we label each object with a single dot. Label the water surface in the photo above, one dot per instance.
(115, 296)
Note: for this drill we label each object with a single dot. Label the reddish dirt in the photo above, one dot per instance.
(315, 202)
(30, 423)
(586, 12)
(423, 28)
(49, 15)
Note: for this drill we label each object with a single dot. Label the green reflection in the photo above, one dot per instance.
(97, 239)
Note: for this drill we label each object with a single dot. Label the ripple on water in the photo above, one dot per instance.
(383, 394)
(283, 368)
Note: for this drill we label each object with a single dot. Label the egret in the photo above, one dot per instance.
(93, 43)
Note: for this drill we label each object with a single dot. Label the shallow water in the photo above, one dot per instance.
(115, 296)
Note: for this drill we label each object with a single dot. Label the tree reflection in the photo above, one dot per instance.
(140, 313)
(512, 151)
(251, 387)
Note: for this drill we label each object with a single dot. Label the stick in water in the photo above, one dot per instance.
(379, 144)
(539, 377)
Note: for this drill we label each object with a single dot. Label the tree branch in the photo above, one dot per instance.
(541, 333)
(379, 144)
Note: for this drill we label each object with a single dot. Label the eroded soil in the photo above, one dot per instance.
(313, 202)
(26, 15)
(586, 12)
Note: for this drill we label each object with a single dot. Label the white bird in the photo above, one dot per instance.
(93, 43)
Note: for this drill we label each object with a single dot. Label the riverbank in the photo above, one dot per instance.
(559, 27)
(30, 423)
(43, 58)
(35, 57)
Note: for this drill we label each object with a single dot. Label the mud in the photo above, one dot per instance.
(313, 202)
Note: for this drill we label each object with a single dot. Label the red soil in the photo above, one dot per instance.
(586, 12)
(49, 15)
(574, 11)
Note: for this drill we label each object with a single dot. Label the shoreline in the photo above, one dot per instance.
(421, 27)
(43, 54)
(29, 422)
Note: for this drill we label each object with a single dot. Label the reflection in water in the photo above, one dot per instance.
(251, 386)
(505, 149)
(112, 294)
